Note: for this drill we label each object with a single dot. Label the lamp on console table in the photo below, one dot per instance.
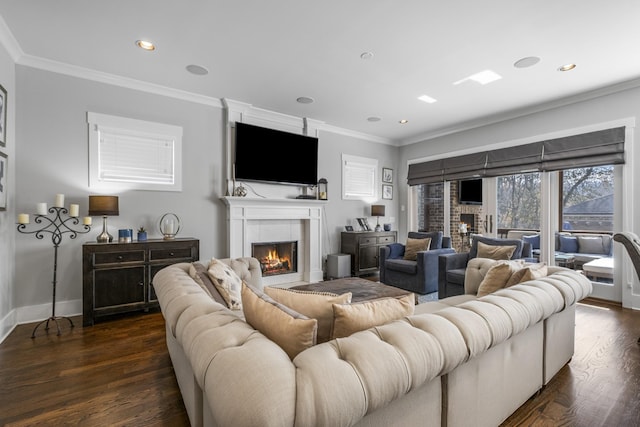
(377, 210)
(103, 206)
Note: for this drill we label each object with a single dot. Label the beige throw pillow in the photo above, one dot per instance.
(314, 305)
(413, 246)
(198, 273)
(530, 272)
(351, 318)
(292, 331)
(498, 276)
(226, 282)
(495, 252)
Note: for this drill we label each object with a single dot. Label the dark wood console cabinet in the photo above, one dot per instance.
(363, 248)
(116, 277)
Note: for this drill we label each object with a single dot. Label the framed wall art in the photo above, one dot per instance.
(387, 175)
(387, 192)
(3, 117)
(4, 186)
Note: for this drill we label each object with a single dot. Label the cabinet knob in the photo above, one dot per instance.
(171, 254)
(140, 283)
(120, 258)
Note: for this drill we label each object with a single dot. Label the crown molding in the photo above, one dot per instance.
(9, 41)
(521, 112)
(359, 135)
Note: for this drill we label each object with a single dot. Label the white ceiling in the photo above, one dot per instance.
(268, 53)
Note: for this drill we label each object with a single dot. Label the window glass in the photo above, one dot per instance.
(518, 202)
(587, 199)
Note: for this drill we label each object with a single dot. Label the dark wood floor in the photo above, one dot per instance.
(118, 373)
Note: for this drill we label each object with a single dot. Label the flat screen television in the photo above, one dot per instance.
(268, 155)
(470, 191)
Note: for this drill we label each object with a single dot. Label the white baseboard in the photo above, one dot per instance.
(7, 324)
(35, 313)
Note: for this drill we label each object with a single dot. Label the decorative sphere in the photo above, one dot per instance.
(240, 191)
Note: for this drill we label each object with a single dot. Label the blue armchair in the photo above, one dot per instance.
(419, 276)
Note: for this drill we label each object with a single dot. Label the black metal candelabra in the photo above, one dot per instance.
(57, 226)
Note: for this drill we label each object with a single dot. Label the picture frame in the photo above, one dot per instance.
(364, 224)
(348, 228)
(387, 192)
(387, 175)
(4, 186)
(3, 116)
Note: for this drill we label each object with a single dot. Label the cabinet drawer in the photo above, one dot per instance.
(368, 240)
(115, 257)
(386, 239)
(170, 253)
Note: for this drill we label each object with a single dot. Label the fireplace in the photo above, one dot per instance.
(276, 257)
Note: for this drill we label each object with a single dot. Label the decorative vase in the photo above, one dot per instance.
(142, 236)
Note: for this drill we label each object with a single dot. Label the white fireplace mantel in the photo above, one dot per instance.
(241, 211)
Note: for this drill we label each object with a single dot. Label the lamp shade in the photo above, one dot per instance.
(377, 210)
(103, 206)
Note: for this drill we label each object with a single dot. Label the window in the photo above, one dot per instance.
(518, 202)
(133, 154)
(587, 199)
(359, 178)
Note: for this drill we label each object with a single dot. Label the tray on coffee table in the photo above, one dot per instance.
(361, 289)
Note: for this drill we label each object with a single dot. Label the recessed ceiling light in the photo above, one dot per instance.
(483, 77)
(366, 55)
(529, 61)
(427, 99)
(198, 70)
(403, 121)
(373, 119)
(567, 67)
(146, 45)
(305, 100)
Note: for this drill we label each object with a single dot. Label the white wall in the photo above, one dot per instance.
(7, 218)
(608, 108)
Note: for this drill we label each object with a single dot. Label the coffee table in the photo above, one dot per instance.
(361, 289)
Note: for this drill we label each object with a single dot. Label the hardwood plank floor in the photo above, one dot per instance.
(118, 373)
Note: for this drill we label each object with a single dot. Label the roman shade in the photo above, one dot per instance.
(604, 147)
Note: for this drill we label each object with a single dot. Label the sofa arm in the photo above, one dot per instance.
(453, 261)
(431, 258)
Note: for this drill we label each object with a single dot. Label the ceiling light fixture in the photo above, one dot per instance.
(483, 77)
(306, 100)
(527, 62)
(146, 45)
(403, 121)
(427, 99)
(567, 67)
(366, 55)
(373, 119)
(198, 70)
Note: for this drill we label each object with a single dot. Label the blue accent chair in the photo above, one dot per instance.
(419, 276)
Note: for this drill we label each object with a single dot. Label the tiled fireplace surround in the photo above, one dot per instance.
(251, 220)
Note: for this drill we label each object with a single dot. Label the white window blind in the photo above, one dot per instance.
(134, 154)
(359, 177)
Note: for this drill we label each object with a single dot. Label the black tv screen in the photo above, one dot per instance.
(268, 155)
(470, 192)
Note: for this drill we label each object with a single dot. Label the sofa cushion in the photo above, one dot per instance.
(495, 252)
(413, 246)
(517, 253)
(396, 250)
(529, 272)
(402, 265)
(351, 318)
(533, 240)
(292, 331)
(227, 282)
(314, 305)
(568, 244)
(498, 276)
(591, 245)
(198, 272)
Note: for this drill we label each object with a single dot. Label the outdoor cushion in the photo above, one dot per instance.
(568, 244)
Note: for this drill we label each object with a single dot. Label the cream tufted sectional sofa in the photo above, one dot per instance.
(456, 362)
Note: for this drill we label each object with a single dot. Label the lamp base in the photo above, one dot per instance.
(378, 227)
(104, 237)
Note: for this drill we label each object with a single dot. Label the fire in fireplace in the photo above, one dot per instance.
(276, 257)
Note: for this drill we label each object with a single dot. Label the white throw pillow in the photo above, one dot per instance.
(227, 283)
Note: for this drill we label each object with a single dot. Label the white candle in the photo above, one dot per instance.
(74, 210)
(42, 208)
(168, 229)
(59, 201)
(23, 218)
(86, 220)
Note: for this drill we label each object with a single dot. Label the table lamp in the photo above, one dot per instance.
(377, 210)
(103, 206)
